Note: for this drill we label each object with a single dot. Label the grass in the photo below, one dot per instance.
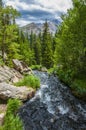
(29, 81)
(12, 120)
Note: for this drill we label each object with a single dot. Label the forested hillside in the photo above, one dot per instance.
(70, 50)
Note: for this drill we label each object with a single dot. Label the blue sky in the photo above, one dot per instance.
(39, 10)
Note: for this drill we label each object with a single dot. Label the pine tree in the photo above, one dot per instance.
(8, 33)
(31, 40)
(37, 50)
(71, 48)
(47, 55)
(26, 53)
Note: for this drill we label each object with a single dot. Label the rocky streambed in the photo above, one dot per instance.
(53, 107)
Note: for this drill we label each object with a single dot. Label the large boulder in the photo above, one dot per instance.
(17, 65)
(9, 75)
(43, 69)
(8, 91)
(21, 67)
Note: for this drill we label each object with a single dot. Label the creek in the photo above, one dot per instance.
(53, 107)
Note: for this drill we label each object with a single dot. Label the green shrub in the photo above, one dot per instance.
(75, 80)
(50, 71)
(36, 67)
(12, 121)
(79, 88)
(13, 105)
(29, 81)
(65, 75)
(53, 70)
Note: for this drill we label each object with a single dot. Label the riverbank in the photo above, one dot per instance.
(77, 83)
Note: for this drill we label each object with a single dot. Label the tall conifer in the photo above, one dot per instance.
(47, 55)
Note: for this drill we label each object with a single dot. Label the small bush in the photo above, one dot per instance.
(12, 120)
(79, 88)
(53, 70)
(13, 105)
(65, 75)
(29, 81)
(50, 71)
(36, 67)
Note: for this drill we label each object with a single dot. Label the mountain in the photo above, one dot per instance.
(39, 27)
(32, 27)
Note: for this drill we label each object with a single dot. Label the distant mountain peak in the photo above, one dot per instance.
(38, 27)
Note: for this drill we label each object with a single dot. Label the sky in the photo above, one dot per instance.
(39, 10)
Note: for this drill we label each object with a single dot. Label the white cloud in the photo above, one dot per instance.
(12, 3)
(50, 6)
(55, 5)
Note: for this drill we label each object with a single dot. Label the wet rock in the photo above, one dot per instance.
(52, 120)
(9, 91)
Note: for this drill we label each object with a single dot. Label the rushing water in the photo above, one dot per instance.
(53, 107)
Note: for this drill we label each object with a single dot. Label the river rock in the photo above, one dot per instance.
(8, 91)
(44, 69)
(21, 67)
